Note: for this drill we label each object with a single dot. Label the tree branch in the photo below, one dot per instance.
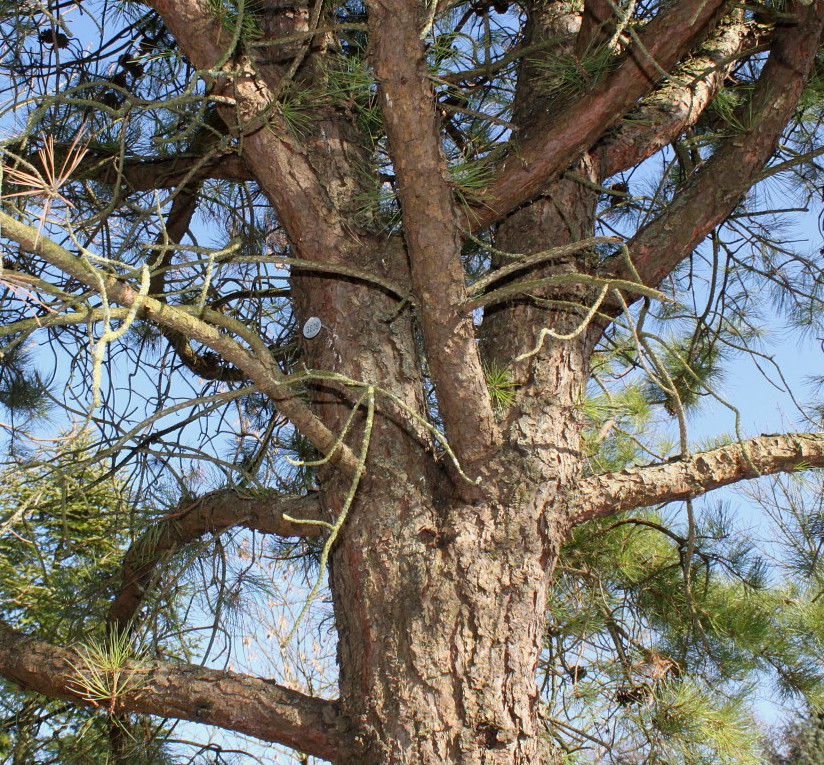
(688, 477)
(305, 186)
(524, 173)
(229, 700)
(259, 366)
(184, 205)
(147, 174)
(151, 173)
(214, 512)
(677, 104)
(430, 224)
(712, 194)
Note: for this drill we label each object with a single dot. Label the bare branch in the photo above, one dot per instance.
(688, 477)
(676, 105)
(259, 366)
(528, 261)
(712, 194)
(185, 692)
(184, 204)
(305, 187)
(430, 222)
(214, 512)
(525, 172)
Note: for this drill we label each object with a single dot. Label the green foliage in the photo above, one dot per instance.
(378, 206)
(612, 420)
(693, 366)
(63, 529)
(567, 75)
(699, 726)
(801, 742)
(678, 629)
(63, 533)
(350, 85)
(47, 738)
(732, 110)
(813, 96)
(107, 669)
(500, 385)
(236, 16)
(470, 179)
(22, 392)
(294, 110)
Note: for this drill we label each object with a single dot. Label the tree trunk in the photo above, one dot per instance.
(440, 602)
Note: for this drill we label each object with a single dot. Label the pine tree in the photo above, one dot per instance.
(802, 743)
(388, 320)
(65, 528)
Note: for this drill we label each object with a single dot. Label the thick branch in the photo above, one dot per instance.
(688, 477)
(430, 222)
(213, 513)
(712, 194)
(306, 188)
(259, 366)
(522, 175)
(677, 104)
(229, 700)
(147, 174)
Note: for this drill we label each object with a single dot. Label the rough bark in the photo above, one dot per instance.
(712, 194)
(437, 604)
(431, 231)
(576, 128)
(183, 691)
(439, 587)
(678, 103)
(689, 477)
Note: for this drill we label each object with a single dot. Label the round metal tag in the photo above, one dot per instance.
(311, 327)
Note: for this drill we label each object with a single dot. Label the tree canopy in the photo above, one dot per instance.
(350, 360)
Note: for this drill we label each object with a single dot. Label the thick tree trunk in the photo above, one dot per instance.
(441, 613)
(440, 603)
(441, 626)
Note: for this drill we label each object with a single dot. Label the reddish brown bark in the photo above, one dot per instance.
(568, 134)
(439, 588)
(712, 194)
(431, 232)
(692, 476)
(183, 691)
(598, 24)
(676, 104)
